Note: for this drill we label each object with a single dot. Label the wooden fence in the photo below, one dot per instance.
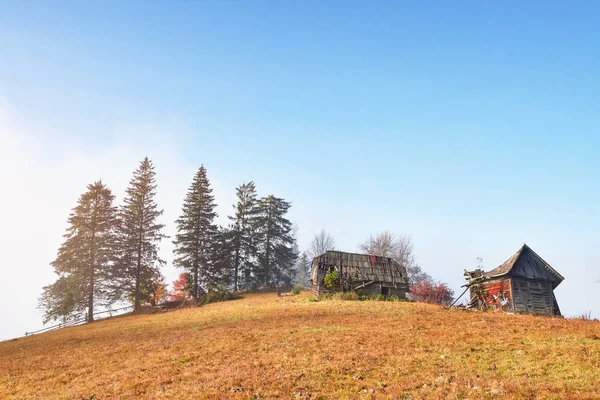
(80, 321)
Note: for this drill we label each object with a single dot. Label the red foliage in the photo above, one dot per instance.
(431, 292)
(160, 293)
(180, 288)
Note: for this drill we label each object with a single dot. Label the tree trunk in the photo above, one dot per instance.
(91, 292)
(90, 317)
(268, 249)
(236, 264)
(196, 281)
(196, 265)
(137, 280)
(138, 269)
(91, 295)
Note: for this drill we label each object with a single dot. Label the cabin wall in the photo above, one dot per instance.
(533, 297)
(496, 294)
(376, 289)
(315, 289)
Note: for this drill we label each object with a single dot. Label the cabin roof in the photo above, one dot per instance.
(526, 263)
(365, 266)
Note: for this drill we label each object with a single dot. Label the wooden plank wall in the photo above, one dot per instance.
(375, 289)
(533, 296)
(497, 294)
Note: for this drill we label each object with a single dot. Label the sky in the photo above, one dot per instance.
(472, 127)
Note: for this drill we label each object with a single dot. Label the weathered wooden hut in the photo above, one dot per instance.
(362, 273)
(524, 283)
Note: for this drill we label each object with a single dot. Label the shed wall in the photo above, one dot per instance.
(533, 297)
(496, 294)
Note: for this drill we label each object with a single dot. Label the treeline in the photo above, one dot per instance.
(111, 253)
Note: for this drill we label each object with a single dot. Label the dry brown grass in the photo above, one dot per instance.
(268, 347)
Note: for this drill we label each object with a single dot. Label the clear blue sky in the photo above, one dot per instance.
(472, 126)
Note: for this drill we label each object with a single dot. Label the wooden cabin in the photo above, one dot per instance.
(525, 284)
(361, 273)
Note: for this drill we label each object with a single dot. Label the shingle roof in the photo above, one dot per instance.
(526, 263)
(364, 266)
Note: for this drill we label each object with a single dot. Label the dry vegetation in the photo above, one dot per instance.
(268, 347)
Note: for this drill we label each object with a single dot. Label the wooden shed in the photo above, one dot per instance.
(525, 283)
(362, 273)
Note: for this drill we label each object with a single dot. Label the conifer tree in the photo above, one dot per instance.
(197, 235)
(140, 234)
(303, 270)
(243, 223)
(277, 254)
(84, 259)
(222, 259)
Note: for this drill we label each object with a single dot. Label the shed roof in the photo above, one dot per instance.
(526, 263)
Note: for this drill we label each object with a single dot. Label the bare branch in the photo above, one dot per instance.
(321, 243)
(398, 247)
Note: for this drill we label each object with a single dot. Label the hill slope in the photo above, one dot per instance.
(267, 347)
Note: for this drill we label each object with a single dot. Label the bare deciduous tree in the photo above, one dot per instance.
(387, 244)
(321, 243)
(398, 247)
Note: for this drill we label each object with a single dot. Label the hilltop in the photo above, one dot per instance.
(263, 346)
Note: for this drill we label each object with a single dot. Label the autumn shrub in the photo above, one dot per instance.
(432, 292)
(330, 280)
(215, 295)
(296, 290)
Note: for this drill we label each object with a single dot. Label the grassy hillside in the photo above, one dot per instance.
(268, 347)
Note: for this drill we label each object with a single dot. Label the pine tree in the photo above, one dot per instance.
(197, 236)
(241, 230)
(303, 271)
(222, 259)
(276, 242)
(84, 259)
(140, 234)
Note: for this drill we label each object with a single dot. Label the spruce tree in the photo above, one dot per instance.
(196, 241)
(84, 259)
(140, 234)
(303, 270)
(277, 253)
(243, 223)
(222, 259)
